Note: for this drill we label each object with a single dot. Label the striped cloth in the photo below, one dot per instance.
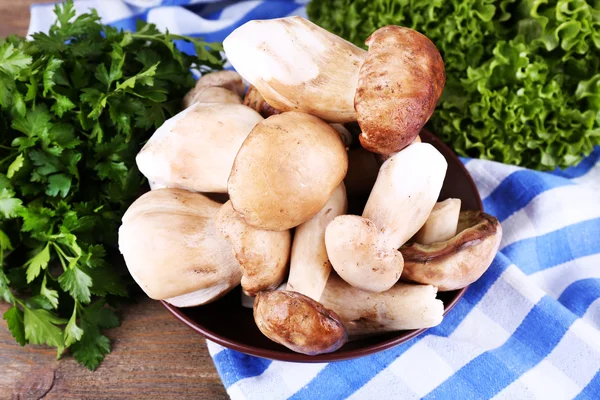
(528, 329)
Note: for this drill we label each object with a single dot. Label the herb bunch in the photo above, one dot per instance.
(76, 105)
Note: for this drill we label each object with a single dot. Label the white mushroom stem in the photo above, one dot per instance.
(441, 224)
(405, 192)
(298, 66)
(310, 266)
(404, 306)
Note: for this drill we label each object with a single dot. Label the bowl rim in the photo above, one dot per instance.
(403, 336)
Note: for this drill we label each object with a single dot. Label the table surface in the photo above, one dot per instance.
(153, 354)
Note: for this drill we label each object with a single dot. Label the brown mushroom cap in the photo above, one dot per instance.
(298, 322)
(171, 247)
(286, 170)
(257, 102)
(399, 85)
(459, 261)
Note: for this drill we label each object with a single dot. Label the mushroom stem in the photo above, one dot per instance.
(255, 101)
(441, 223)
(405, 192)
(263, 255)
(229, 80)
(310, 266)
(345, 135)
(404, 306)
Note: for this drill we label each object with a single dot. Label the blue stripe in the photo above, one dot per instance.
(580, 295)
(582, 168)
(592, 390)
(464, 160)
(343, 378)
(518, 189)
(233, 366)
(486, 375)
(554, 248)
(262, 11)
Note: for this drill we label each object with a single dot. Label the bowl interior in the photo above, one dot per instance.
(228, 323)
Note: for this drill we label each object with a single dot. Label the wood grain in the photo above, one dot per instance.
(153, 356)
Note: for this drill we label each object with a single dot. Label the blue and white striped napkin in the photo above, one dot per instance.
(528, 329)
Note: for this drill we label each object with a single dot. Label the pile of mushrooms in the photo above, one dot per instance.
(322, 123)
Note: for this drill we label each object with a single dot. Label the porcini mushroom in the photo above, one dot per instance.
(262, 255)
(459, 261)
(229, 80)
(286, 170)
(172, 250)
(298, 322)
(310, 266)
(215, 94)
(345, 135)
(297, 66)
(441, 223)
(400, 82)
(257, 102)
(363, 250)
(195, 149)
(363, 313)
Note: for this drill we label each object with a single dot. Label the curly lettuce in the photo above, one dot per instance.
(523, 83)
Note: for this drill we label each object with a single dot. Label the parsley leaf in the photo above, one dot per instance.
(14, 319)
(77, 283)
(38, 262)
(41, 327)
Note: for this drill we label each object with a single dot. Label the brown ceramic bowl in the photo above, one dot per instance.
(229, 324)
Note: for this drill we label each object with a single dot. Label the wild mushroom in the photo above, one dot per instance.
(441, 223)
(195, 149)
(262, 255)
(172, 250)
(363, 250)
(229, 80)
(215, 94)
(363, 313)
(298, 322)
(310, 266)
(286, 170)
(400, 82)
(297, 66)
(255, 101)
(459, 261)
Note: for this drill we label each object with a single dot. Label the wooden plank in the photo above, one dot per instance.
(154, 355)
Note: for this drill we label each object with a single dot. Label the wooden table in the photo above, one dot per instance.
(153, 356)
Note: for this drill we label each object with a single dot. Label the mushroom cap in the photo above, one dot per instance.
(359, 257)
(230, 80)
(171, 247)
(262, 255)
(404, 306)
(215, 94)
(286, 171)
(400, 82)
(195, 149)
(297, 66)
(255, 101)
(298, 322)
(459, 261)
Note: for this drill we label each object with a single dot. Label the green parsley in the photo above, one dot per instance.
(76, 105)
